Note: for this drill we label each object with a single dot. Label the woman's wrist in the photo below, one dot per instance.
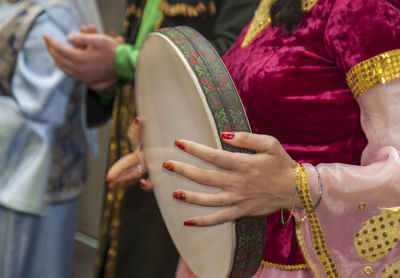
(295, 202)
(308, 203)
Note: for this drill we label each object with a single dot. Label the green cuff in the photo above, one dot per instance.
(125, 61)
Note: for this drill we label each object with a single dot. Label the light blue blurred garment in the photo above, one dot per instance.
(43, 136)
(38, 246)
(43, 146)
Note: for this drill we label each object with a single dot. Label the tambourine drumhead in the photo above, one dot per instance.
(175, 104)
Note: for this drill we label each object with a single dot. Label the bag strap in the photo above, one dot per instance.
(13, 32)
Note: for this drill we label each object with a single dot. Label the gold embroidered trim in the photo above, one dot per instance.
(307, 5)
(320, 248)
(262, 18)
(187, 10)
(285, 267)
(123, 114)
(159, 22)
(134, 10)
(259, 22)
(392, 270)
(300, 240)
(374, 71)
(379, 235)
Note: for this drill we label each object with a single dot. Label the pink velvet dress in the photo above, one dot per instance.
(293, 87)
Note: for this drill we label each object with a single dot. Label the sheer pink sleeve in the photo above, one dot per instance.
(359, 215)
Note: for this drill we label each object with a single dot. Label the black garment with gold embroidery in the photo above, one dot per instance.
(134, 241)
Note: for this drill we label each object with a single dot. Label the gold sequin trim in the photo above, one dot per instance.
(392, 271)
(284, 267)
(262, 18)
(307, 257)
(374, 71)
(328, 265)
(187, 10)
(378, 236)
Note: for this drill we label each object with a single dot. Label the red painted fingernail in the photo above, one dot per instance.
(108, 180)
(143, 184)
(179, 144)
(179, 195)
(189, 223)
(137, 120)
(227, 135)
(168, 165)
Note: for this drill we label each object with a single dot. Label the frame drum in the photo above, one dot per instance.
(183, 91)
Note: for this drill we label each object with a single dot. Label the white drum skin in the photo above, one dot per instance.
(170, 100)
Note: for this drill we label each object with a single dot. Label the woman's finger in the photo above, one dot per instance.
(214, 178)
(122, 184)
(250, 141)
(225, 215)
(146, 184)
(135, 132)
(220, 158)
(133, 173)
(127, 162)
(220, 199)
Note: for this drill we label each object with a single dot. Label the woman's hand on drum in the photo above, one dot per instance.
(251, 184)
(131, 168)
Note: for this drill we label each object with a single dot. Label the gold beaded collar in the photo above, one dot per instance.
(262, 19)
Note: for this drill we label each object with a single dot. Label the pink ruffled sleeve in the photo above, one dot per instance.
(356, 228)
(352, 219)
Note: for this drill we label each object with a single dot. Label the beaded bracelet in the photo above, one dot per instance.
(297, 171)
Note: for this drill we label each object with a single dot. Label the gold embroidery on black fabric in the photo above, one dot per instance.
(135, 11)
(374, 71)
(123, 114)
(187, 10)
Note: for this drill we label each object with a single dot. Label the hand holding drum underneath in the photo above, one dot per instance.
(252, 184)
(131, 168)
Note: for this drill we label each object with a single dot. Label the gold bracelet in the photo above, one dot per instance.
(305, 197)
(297, 172)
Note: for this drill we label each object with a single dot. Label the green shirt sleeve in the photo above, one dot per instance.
(126, 54)
(125, 61)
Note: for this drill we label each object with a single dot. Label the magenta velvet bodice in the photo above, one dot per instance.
(293, 87)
